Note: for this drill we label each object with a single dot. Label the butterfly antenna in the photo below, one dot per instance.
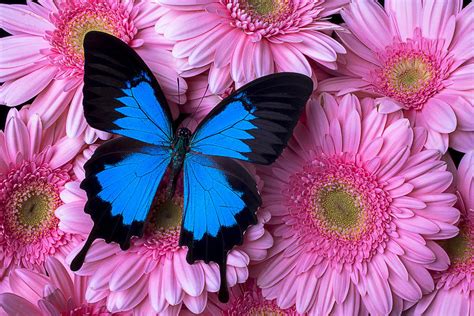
(200, 101)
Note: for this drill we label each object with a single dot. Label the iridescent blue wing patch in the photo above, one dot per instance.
(255, 122)
(121, 181)
(220, 200)
(121, 95)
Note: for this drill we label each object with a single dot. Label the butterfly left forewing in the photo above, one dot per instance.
(121, 94)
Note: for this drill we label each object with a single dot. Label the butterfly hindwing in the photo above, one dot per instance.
(220, 201)
(255, 122)
(121, 180)
(121, 95)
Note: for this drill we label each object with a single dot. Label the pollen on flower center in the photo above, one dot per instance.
(252, 303)
(164, 222)
(75, 20)
(267, 7)
(36, 208)
(29, 196)
(266, 310)
(81, 25)
(29, 210)
(412, 72)
(459, 248)
(339, 209)
(166, 213)
(269, 17)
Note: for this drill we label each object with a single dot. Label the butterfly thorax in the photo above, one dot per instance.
(179, 149)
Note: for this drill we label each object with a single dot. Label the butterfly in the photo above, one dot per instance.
(253, 124)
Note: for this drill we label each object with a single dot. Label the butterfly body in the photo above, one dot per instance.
(220, 196)
(180, 148)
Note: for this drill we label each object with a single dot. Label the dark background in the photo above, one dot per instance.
(335, 19)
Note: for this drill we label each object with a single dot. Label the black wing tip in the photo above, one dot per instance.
(294, 78)
(92, 38)
(79, 259)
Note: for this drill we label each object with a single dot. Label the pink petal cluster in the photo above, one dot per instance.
(361, 214)
(246, 300)
(414, 56)
(241, 40)
(57, 293)
(35, 164)
(45, 53)
(357, 206)
(153, 275)
(454, 292)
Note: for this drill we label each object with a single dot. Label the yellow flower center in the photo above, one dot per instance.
(83, 24)
(340, 210)
(34, 210)
(266, 311)
(166, 214)
(460, 248)
(410, 74)
(267, 10)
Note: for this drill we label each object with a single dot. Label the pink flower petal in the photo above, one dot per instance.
(191, 277)
(436, 15)
(365, 18)
(76, 123)
(15, 93)
(263, 59)
(128, 299)
(156, 290)
(19, 50)
(387, 105)
(173, 291)
(306, 290)
(64, 151)
(407, 15)
(19, 19)
(439, 116)
(13, 304)
(60, 277)
(50, 103)
(17, 136)
(28, 283)
(462, 141)
(128, 273)
(196, 304)
(201, 22)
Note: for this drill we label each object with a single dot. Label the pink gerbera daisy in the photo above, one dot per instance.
(356, 206)
(454, 293)
(416, 56)
(241, 40)
(246, 300)
(35, 163)
(56, 293)
(45, 53)
(153, 275)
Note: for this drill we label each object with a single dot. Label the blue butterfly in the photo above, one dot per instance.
(122, 96)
